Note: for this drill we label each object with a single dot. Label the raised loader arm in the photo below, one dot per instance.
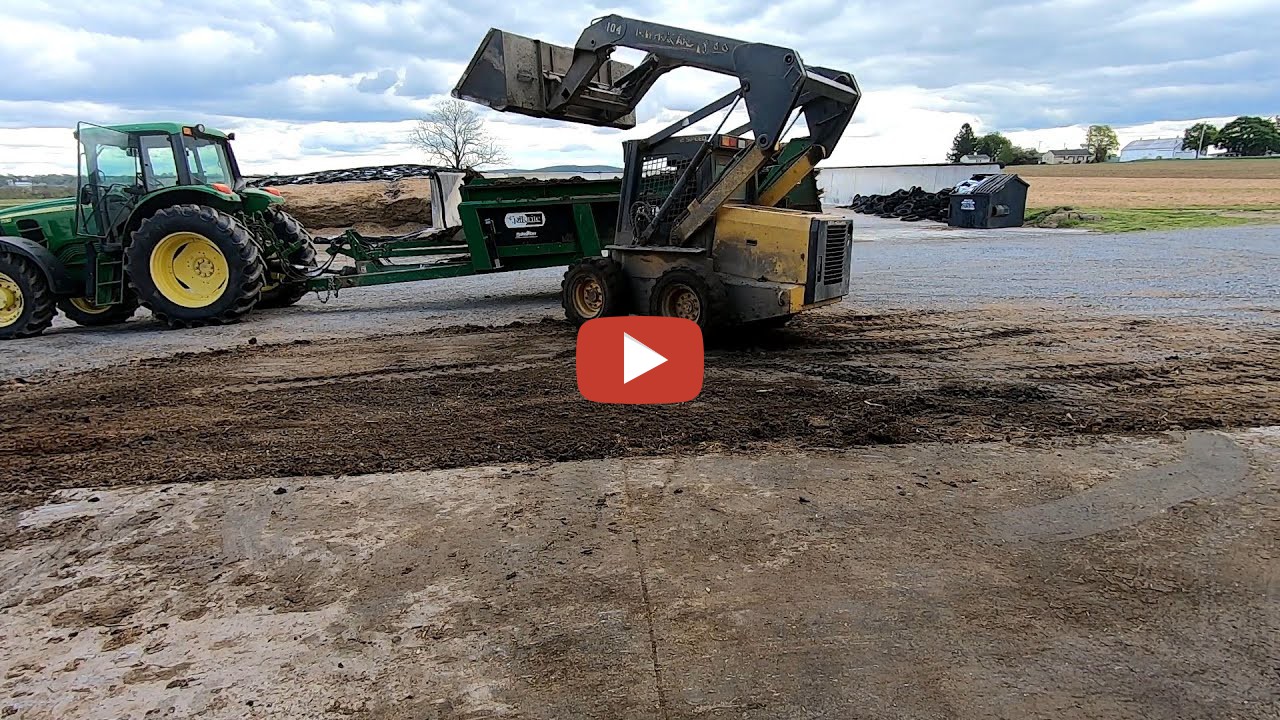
(582, 84)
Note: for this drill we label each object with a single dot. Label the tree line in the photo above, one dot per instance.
(1100, 141)
(1247, 135)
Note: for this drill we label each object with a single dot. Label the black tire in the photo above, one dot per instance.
(594, 288)
(26, 292)
(81, 312)
(240, 290)
(278, 291)
(692, 294)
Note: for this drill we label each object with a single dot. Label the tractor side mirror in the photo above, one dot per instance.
(86, 194)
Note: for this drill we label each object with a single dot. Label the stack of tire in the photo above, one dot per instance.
(908, 205)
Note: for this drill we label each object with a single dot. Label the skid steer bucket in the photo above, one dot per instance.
(512, 73)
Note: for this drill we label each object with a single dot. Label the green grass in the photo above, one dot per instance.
(1117, 220)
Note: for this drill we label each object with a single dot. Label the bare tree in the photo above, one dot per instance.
(453, 134)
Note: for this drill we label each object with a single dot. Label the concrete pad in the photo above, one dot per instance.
(890, 582)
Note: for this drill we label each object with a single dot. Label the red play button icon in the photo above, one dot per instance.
(639, 360)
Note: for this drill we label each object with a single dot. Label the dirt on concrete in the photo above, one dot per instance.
(1064, 581)
(898, 514)
(467, 396)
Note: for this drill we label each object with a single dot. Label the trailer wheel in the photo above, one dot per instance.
(280, 291)
(83, 311)
(26, 301)
(192, 265)
(593, 288)
(692, 294)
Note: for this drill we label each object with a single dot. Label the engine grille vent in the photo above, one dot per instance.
(833, 261)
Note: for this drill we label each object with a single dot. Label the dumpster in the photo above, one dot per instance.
(993, 201)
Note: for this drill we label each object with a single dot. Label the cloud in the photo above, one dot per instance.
(310, 83)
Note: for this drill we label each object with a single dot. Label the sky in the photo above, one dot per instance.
(310, 85)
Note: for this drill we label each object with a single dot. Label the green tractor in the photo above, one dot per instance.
(161, 218)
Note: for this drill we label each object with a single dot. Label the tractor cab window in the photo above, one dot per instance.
(207, 160)
(117, 165)
(161, 166)
(110, 169)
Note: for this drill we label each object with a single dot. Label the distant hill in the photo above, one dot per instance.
(561, 168)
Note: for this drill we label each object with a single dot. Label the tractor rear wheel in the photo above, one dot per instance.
(192, 265)
(83, 311)
(26, 301)
(593, 288)
(692, 294)
(280, 289)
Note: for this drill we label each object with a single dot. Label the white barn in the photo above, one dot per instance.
(1158, 149)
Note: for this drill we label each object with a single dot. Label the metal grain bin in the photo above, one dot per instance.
(995, 202)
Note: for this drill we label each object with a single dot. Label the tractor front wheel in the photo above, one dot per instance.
(26, 301)
(283, 289)
(192, 265)
(83, 311)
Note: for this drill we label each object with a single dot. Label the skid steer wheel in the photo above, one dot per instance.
(692, 294)
(192, 265)
(279, 292)
(26, 301)
(593, 288)
(83, 311)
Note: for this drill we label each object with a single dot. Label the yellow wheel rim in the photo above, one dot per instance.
(189, 270)
(588, 298)
(10, 301)
(85, 305)
(682, 302)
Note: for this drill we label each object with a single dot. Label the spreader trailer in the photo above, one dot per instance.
(163, 218)
(708, 227)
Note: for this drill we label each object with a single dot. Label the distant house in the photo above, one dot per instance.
(1158, 149)
(1054, 157)
(975, 159)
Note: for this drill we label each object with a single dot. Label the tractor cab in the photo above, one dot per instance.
(121, 165)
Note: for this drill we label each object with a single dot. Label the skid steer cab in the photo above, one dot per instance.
(161, 218)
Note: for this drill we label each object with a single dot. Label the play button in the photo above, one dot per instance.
(637, 358)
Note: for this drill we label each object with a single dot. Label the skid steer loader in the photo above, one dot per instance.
(705, 230)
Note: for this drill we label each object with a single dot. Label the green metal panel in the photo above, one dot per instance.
(805, 195)
(481, 253)
(535, 250)
(477, 242)
(588, 236)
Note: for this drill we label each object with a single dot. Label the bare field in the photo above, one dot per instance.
(1235, 168)
(1168, 192)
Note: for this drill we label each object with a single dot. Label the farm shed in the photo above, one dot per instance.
(1157, 149)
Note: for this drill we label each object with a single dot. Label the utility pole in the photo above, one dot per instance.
(1200, 146)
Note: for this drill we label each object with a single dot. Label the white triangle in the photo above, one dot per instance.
(637, 359)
